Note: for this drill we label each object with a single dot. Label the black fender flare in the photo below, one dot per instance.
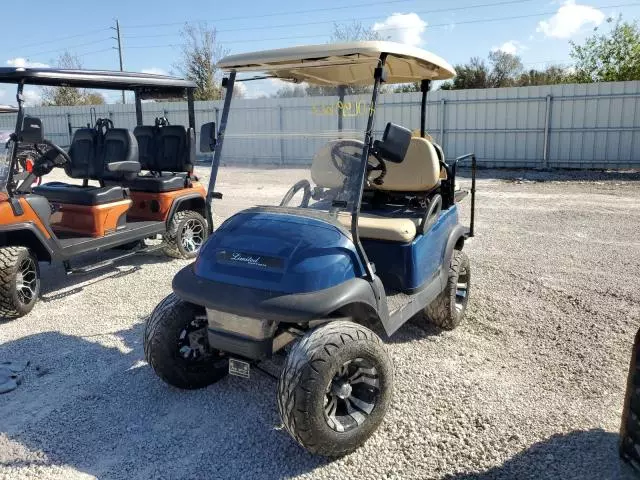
(43, 248)
(185, 198)
(458, 232)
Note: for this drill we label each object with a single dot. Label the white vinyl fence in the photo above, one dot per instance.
(557, 126)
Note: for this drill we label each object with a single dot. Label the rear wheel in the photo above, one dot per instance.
(448, 309)
(19, 281)
(335, 388)
(186, 234)
(176, 345)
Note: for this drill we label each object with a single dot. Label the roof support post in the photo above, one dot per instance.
(424, 88)
(379, 77)
(215, 163)
(19, 122)
(341, 91)
(191, 109)
(139, 120)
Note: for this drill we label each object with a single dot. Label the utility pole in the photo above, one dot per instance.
(119, 48)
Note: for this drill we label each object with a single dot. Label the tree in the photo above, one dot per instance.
(552, 75)
(506, 67)
(290, 91)
(200, 54)
(68, 96)
(353, 32)
(474, 74)
(504, 70)
(408, 87)
(609, 57)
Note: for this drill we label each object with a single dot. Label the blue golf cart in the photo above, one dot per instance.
(369, 240)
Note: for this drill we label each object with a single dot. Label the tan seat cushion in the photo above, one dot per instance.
(419, 172)
(383, 228)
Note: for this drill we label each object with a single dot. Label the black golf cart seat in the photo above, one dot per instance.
(168, 154)
(418, 173)
(96, 156)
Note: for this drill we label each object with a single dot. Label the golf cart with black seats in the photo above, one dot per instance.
(375, 240)
(60, 221)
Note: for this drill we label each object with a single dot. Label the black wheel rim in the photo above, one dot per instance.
(462, 292)
(352, 394)
(193, 346)
(27, 280)
(192, 235)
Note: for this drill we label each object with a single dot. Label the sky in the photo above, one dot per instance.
(538, 31)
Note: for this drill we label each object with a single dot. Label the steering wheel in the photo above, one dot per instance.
(54, 157)
(347, 163)
(301, 185)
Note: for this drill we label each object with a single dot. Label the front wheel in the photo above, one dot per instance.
(186, 233)
(19, 281)
(176, 345)
(335, 388)
(448, 309)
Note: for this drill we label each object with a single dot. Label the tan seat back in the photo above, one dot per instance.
(419, 172)
(323, 172)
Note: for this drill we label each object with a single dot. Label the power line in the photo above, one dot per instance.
(448, 24)
(53, 40)
(95, 51)
(70, 47)
(274, 14)
(298, 24)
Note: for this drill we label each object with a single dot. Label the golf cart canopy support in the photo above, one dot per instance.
(351, 63)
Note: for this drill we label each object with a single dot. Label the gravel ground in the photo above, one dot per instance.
(530, 386)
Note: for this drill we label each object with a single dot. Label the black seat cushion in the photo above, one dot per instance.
(147, 146)
(83, 153)
(164, 183)
(119, 145)
(58, 192)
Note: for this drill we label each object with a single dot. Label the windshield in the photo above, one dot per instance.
(299, 145)
(6, 150)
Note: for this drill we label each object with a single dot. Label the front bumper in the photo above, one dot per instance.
(267, 304)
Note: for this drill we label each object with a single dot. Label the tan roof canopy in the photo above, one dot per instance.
(350, 63)
(8, 109)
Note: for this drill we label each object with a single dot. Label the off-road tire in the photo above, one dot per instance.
(161, 340)
(305, 377)
(11, 305)
(442, 312)
(172, 240)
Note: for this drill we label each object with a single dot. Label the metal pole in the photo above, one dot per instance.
(341, 90)
(139, 119)
(281, 135)
(191, 108)
(442, 106)
(119, 39)
(228, 84)
(379, 75)
(424, 88)
(547, 126)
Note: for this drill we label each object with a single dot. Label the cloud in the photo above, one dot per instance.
(569, 19)
(20, 62)
(240, 89)
(32, 97)
(154, 71)
(404, 28)
(511, 47)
